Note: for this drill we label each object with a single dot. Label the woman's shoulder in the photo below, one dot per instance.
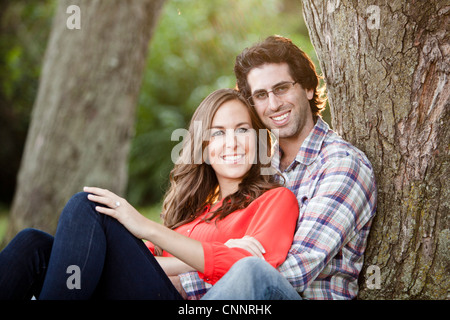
(280, 190)
(279, 199)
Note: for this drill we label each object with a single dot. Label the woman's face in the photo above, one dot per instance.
(232, 144)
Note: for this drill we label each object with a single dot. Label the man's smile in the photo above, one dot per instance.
(281, 118)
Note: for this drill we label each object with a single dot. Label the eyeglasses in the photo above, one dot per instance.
(261, 97)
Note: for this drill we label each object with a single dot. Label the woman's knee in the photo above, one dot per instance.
(30, 238)
(79, 211)
(31, 234)
(79, 204)
(79, 198)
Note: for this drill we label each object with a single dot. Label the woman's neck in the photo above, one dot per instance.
(228, 187)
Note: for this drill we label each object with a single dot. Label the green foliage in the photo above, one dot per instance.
(24, 29)
(191, 54)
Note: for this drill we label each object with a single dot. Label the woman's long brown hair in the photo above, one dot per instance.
(193, 182)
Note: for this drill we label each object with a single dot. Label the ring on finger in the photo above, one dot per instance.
(117, 204)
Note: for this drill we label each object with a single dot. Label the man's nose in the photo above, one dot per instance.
(274, 101)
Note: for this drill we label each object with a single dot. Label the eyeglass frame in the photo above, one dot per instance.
(292, 83)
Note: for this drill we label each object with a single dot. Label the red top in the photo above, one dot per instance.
(271, 219)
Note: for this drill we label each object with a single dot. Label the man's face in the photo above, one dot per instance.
(289, 113)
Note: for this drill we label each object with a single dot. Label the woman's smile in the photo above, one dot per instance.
(232, 158)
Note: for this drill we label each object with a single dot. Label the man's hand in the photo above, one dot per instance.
(247, 243)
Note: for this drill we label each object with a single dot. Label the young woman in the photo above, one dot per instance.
(221, 197)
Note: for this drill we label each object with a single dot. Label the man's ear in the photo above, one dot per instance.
(309, 93)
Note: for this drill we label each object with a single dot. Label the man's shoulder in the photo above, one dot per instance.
(335, 148)
(278, 192)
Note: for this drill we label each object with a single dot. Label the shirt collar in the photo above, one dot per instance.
(310, 148)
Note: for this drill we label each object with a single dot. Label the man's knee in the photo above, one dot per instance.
(253, 266)
(248, 279)
(253, 263)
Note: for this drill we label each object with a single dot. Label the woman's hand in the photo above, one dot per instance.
(184, 248)
(249, 244)
(119, 208)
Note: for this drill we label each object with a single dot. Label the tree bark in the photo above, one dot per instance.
(84, 113)
(386, 68)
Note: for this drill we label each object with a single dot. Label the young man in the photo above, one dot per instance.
(333, 181)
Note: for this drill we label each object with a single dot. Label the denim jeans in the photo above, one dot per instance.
(112, 263)
(252, 279)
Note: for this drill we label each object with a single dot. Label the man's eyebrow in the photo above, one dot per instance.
(275, 85)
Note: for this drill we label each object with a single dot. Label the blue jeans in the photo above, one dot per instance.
(112, 263)
(252, 279)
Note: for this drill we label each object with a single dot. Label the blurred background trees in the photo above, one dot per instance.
(192, 53)
(84, 112)
(24, 30)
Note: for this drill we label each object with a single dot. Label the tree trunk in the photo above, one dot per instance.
(386, 69)
(84, 113)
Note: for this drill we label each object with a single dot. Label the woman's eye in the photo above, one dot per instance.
(241, 130)
(217, 133)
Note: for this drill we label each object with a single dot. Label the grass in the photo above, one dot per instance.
(4, 212)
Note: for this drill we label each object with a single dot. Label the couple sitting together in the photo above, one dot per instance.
(231, 231)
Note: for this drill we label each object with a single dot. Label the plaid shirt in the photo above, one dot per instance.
(335, 188)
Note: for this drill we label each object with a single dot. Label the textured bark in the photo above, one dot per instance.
(388, 91)
(83, 116)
